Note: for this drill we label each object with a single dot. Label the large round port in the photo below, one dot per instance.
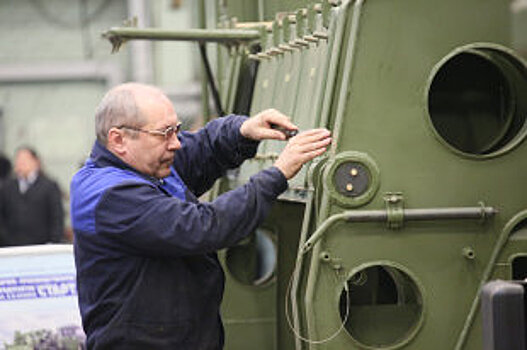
(253, 261)
(383, 306)
(477, 100)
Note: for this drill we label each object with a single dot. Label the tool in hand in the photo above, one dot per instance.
(288, 133)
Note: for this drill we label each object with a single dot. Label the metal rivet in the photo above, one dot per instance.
(468, 253)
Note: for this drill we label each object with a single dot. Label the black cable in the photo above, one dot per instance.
(210, 78)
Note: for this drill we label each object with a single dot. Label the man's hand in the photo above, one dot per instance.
(301, 149)
(265, 125)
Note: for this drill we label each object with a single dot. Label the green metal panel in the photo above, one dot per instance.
(386, 94)
(377, 103)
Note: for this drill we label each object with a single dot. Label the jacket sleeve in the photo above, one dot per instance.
(206, 154)
(143, 221)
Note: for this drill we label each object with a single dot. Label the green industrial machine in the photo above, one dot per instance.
(386, 241)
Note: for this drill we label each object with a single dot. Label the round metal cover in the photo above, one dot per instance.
(351, 179)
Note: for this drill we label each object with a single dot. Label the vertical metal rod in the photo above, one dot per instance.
(333, 66)
(233, 88)
(298, 266)
(202, 23)
(226, 84)
(325, 205)
(330, 67)
(260, 10)
(347, 72)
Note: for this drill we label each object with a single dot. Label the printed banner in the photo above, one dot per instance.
(38, 299)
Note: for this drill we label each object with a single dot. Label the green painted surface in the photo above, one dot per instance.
(420, 291)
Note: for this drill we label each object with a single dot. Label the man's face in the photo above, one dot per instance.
(153, 154)
(25, 163)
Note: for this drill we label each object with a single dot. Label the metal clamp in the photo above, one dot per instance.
(395, 210)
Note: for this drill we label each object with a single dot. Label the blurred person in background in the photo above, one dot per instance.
(5, 168)
(31, 203)
(5, 171)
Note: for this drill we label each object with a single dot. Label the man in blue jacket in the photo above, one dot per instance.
(145, 248)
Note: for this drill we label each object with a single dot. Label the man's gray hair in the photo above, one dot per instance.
(117, 108)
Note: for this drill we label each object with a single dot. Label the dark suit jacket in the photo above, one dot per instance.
(33, 217)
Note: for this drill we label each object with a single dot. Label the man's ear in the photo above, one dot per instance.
(116, 141)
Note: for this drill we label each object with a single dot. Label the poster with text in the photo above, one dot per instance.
(38, 299)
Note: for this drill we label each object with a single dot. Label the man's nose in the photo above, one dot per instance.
(173, 143)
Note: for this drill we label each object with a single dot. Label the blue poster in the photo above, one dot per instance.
(38, 298)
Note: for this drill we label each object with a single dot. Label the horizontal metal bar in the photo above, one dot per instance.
(448, 213)
(422, 214)
(200, 35)
(461, 213)
(249, 25)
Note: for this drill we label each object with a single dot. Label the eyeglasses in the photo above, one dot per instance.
(167, 133)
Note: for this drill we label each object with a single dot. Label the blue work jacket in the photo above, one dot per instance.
(148, 276)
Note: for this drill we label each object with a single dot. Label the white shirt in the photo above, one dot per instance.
(25, 183)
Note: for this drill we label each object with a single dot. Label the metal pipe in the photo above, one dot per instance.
(261, 11)
(201, 35)
(226, 85)
(462, 213)
(347, 72)
(330, 67)
(233, 87)
(298, 266)
(325, 201)
(202, 23)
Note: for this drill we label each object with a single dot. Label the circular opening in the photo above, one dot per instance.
(477, 100)
(253, 261)
(519, 262)
(385, 306)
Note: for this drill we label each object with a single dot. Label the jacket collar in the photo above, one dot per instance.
(102, 157)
